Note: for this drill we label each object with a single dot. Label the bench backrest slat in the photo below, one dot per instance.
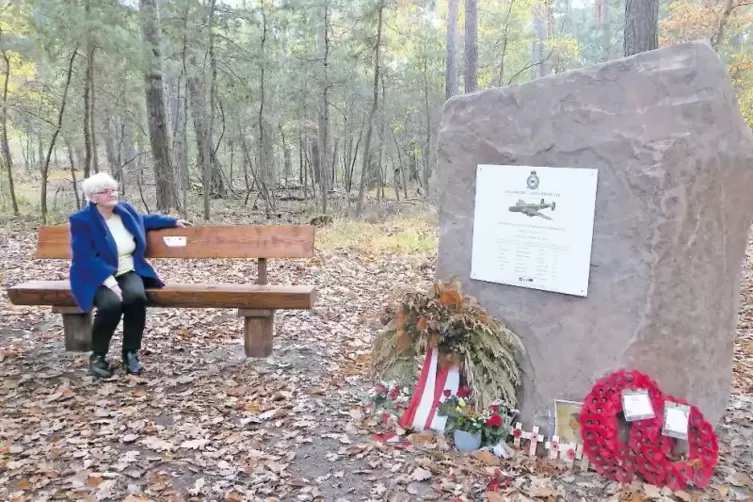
(210, 241)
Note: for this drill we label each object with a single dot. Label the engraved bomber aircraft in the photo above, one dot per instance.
(532, 209)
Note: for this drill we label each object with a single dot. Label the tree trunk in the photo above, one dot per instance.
(606, 31)
(505, 42)
(451, 68)
(641, 26)
(261, 178)
(110, 149)
(719, 33)
(6, 147)
(427, 148)
(324, 157)
(372, 113)
(471, 46)
(155, 105)
(540, 68)
(73, 172)
(46, 166)
(184, 124)
(92, 107)
(206, 145)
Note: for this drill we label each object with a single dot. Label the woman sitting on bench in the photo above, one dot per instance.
(109, 271)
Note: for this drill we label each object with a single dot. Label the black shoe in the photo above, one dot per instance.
(99, 367)
(132, 363)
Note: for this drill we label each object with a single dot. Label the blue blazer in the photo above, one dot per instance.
(94, 255)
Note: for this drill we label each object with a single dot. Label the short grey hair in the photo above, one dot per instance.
(97, 182)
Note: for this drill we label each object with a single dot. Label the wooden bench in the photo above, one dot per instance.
(256, 303)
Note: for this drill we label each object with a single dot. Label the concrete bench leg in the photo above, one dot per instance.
(258, 332)
(77, 327)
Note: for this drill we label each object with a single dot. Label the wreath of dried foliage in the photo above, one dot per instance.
(443, 317)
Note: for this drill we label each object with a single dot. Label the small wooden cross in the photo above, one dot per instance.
(568, 453)
(535, 439)
(517, 434)
(553, 446)
(580, 455)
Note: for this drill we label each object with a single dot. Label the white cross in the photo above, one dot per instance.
(580, 455)
(535, 439)
(516, 438)
(553, 446)
(568, 453)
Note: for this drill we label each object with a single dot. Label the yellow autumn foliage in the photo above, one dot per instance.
(688, 20)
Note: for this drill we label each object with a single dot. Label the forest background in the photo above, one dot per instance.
(289, 107)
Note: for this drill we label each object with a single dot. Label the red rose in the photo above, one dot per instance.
(494, 421)
(463, 392)
(447, 393)
(517, 433)
(494, 408)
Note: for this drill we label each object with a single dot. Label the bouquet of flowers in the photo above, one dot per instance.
(493, 424)
(389, 399)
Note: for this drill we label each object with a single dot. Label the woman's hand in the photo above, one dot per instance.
(183, 224)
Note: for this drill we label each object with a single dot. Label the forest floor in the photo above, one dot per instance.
(205, 423)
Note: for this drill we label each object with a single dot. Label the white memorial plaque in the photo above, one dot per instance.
(676, 420)
(174, 241)
(533, 227)
(636, 405)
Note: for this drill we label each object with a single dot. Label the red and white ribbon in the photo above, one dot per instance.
(421, 413)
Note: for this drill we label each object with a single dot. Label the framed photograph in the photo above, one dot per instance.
(567, 421)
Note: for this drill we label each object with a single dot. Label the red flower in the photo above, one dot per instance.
(463, 392)
(494, 408)
(517, 433)
(394, 393)
(493, 486)
(447, 393)
(494, 421)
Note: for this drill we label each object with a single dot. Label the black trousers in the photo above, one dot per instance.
(110, 309)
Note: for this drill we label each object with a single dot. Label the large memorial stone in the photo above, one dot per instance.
(673, 208)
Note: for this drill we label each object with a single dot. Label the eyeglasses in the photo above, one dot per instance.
(108, 191)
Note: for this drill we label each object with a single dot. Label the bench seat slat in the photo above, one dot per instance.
(241, 296)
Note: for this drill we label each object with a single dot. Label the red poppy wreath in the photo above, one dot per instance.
(647, 440)
(618, 454)
(606, 446)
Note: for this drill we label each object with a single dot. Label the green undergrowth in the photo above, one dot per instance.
(415, 234)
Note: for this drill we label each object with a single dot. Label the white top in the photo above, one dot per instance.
(125, 244)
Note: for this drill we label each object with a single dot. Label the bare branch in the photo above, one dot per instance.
(531, 65)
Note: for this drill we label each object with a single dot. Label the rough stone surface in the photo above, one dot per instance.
(674, 204)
